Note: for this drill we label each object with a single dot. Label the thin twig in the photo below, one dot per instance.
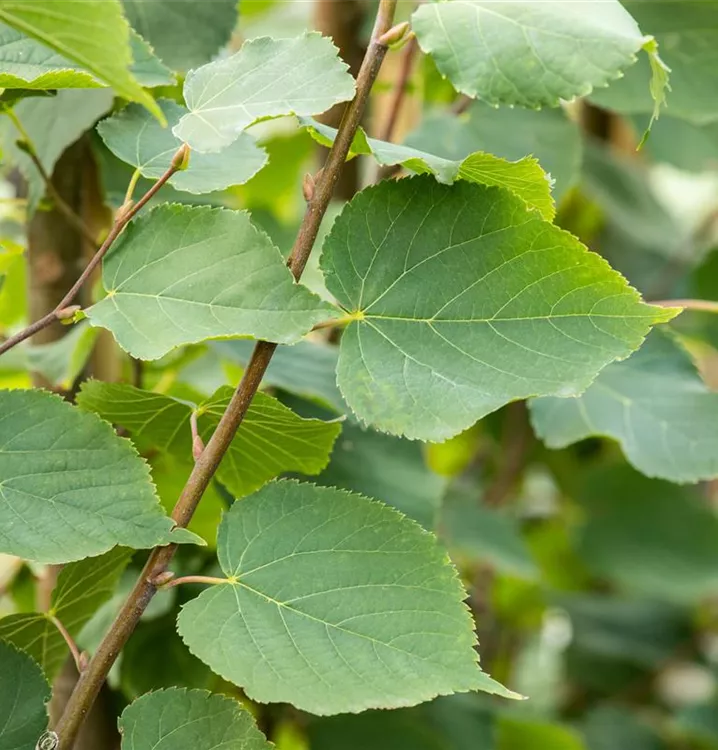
(60, 203)
(92, 679)
(703, 305)
(400, 88)
(462, 104)
(123, 217)
(208, 580)
(70, 641)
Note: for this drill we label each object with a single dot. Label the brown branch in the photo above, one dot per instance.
(126, 213)
(204, 469)
(400, 87)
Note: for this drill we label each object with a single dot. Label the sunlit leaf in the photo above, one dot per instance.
(93, 33)
(136, 137)
(333, 603)
(492, 305)
(273, 439)
(71, 488)
(23, 695)
(525, 178)
(180, 274)
(189, 720)
(266, 78)
(528, 53)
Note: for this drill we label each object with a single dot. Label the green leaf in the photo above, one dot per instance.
(137, 138)
(61, 362)
(53, 124)
(82, 588)
(305, 369)
(185, 33)
(93, 33)
(492, 305)
(649, 536)
(654, 404)
(28, 64)
(273, 439)
(687, 33)
(547, 134)
(334, 603)
(518, 734)
(178, 719)
(386, 468)
(164, 291)
(266, 78)
(525, 178)
(71, 488)
(615, 728)
(526, 53)
(23, 695)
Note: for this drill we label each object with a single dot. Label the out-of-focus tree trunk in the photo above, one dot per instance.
(343, 21)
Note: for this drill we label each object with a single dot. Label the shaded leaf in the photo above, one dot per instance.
(185, 33)
(305, 369)
(273, 439)
(654, 404)
(71, 488)
(266, 78)
(180, 275)
(61, 362)
(28, 64)
(614, 728)
(35, 635)
(93, 33)
(334, 603)
(513, 134)
(525, 178)
(687, 32)
(23, 695)
(189, 720)
(518, 734)
(528, 53)
(491, 306)
(136, 137)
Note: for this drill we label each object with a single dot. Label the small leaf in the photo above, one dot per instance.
(492, 305)
(185, 33)
(266, 78)
(137, 138)
(23, 695)
(71, 488)
(334, 603)
(93, 33)
(61, 362)
(525, 178)
(655, 404)
(180, 275)
(272, 440)
(178, 719)
(527, 53)
(28, 64)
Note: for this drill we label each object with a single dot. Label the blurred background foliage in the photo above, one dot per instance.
(595, 588)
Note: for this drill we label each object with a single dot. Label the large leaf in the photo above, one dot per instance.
(53, 124)
(655, 404)
(23, 695)
(266, 78)
(178, 719)
(334, 603)
(687, 31)
(528, 53)
(546, 134)
(649, 536)
(71, 488)
(185, 33)
(273, 439)
(492, 304)
(182, 274)
(93, 33)
(136, 137)
(81, 589)
(525, 177)
(28, 64)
